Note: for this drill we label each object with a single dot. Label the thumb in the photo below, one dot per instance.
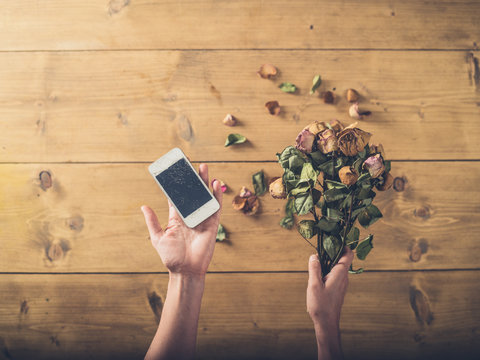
(314, 271)
(151, 220)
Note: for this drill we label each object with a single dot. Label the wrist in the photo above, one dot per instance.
(328, 340)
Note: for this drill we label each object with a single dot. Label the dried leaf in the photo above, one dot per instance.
(287, 222)
(258, 180)
(317, 81)
(267, 71)
(352, 95)
(288, 87)
(234, 139)
(306, 228)
(221, 233)
(364, 247)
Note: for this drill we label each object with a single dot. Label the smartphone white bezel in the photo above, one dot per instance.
(203, 212)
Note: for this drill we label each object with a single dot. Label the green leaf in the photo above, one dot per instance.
(357, 211)
(287, 222)
(352, 238)
(363, 177)
(295, 164)
(288, 87)
(301, 188)
(327, 167)
(290, 207)
(316, 195)
(318, 157)
(357, 165)
(358, 271)
(317, 81)
(332, 246)
(308, 173)
(326, 225)
(365, 152)
(290, 179)
(234, 139)
(335, 184)
(334, 195)
(369, 215)
(365, 192)
(334, 214)
(303, 203)
(306, 228)
(286, 154)
(221, 233)
(364, 247)
(388, 165)
(347, 202)
(258, 180)
(340, 162)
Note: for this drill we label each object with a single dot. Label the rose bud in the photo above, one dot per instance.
(304, 141)
(336, 125)
(374, 165)
(316, 127)
(277, 189)
(377, 149)
(352, 95)
(230, 120)
(352, 140)
(245, 193)
(327, 141)
(348, 175)
(386, 182)
(267, 71)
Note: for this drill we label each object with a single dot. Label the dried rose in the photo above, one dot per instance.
(277, 189)
(386, 182)
(355, 113)
(273, 107)
(223, 187)
(230, 120)
(348, 175)
(374, 165)
(352, 140)
(377, 149)
(316, 127)
(327, 141)
(328, 97)
(352, 95)
(336, 125)
(244, 192)
(267, 71)
(304, 141)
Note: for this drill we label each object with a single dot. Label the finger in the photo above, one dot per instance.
(314, 271)
(203, 171)
(151, 220)
(217, 192)
(340, 270)
(172, 212)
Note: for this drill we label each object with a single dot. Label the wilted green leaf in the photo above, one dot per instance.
(290, 207)
(365, 192)
(308, 173)
(388, 165)
(369, 215)
(335, 184)
(284, 156)
(306, 228)
(363, 177)
(334, 214)
(334, 195)
(301, 188)
(317, 81)
(288, 87)
(318, 157)
(332, 246)
(290, 180)
(364, 247)
(287, 222)
(233, 139)
(358, 271)
(316, 195)
(347, 202)
(352, 237)
(303, 203)
(327, 225)
(221, 233)
(327, 167)
(365, 152)
(357, 165)
(258, 180)
(295, 163)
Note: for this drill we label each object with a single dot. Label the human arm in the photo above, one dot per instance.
(324, 303)
(186, 252)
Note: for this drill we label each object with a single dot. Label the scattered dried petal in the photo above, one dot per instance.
(352, 95)
(277, 189)
(223, 187)
(353, 112)
(374, 165)
(273, 107)
(348, 175)
(244, 192)
(230, 120)
(304, 141)
(252, 205)
(267, 71)
(239, 202)
(328, 97)
(385, 183)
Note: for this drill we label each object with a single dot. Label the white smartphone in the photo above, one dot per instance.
(184, 187)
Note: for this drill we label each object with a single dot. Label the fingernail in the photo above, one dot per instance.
(313, 257)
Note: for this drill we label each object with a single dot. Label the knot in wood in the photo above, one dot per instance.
(399, 184)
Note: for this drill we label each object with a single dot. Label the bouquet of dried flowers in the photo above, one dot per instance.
(332, 169)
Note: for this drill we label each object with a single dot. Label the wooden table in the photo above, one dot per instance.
(93, 91)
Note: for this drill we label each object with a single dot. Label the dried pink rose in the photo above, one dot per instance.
(374, 165)
(304, 141)
(316, 127)
(327, 141)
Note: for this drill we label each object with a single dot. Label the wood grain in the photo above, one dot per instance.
(244, 316)
(89, 220)
(209, 24)
(134, 106)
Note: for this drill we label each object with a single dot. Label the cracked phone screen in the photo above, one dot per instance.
(183, 186)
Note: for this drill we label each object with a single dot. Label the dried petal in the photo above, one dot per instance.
(328, 97)
(273, 107)
(336, 125)
(252, 205)
(353, 112)
(244, 192)
(267, 71)
(304, 141)
(374, 165)
(316, 127)
(239, 202)
(386, 182)
(223, 187)
(230, 120)
(352, 95)
(348, 175)
(277, 189)
(327, 141)
(352, 140)
(377, 149)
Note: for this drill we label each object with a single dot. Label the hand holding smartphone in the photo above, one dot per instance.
(183, 187)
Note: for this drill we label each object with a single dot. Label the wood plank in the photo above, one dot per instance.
(244, 316)
(89, 220)
(209, 24)
(124, 106)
